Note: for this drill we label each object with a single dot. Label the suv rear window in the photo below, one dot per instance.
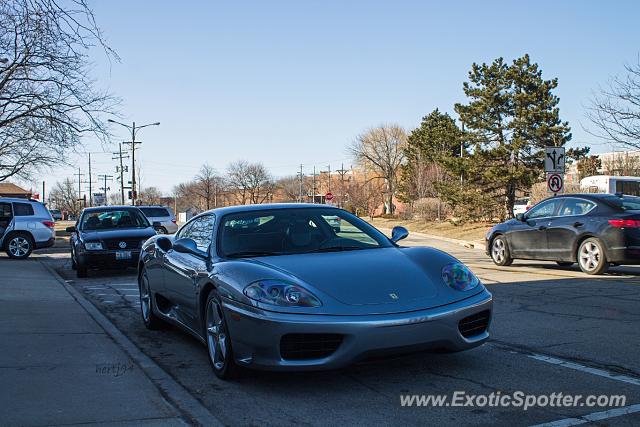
(22, 209)
(154, 212)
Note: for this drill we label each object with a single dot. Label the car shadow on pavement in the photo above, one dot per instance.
(618, 270)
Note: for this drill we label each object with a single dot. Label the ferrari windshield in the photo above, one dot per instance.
(295, 231)
(110, 219)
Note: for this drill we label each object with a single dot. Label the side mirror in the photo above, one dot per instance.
(398, 233)
(188, 246)
(71, 229)
(164, 243)
(520, 217)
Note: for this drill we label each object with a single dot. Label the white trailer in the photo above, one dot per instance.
(611, 184)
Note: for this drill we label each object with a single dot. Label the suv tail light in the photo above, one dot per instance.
(626, 223)
(173, 221)
(49, 224)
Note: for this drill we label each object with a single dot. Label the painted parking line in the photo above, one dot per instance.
(596, 416)
(587, 369)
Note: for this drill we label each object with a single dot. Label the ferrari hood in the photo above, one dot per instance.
(389, 279)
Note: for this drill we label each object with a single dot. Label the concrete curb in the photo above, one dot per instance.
(176, 395)
(471, 244)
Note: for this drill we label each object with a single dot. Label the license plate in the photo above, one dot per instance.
(123, 255)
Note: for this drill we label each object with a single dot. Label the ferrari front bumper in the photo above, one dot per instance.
(257, 335)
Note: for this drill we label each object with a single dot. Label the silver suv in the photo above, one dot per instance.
(25, 225)
(163, 215)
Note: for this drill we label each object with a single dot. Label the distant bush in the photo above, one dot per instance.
(430, 209)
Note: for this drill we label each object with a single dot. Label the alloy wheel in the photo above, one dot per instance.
(498, 250)
(145, 298)
(590, 256)
(216, 335)
(19, 246)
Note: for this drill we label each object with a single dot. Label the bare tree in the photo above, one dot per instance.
(150, 196)
(186, 195)
(615, 110)
(365, 196)
(250, 182)
(624, 164)
(208, 186)
(290, 187)
(47, 98)
(64, 196)
(381, 149)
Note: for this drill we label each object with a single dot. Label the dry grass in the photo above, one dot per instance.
(472, 231)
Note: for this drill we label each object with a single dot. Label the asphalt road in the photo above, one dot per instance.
(554, 330)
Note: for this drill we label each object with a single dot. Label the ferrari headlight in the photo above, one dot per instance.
(277, 292)
(93, 246)
(459, 277)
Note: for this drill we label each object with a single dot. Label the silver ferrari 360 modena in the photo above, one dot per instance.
(280, 287)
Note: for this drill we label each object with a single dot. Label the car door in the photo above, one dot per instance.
(6, 216)
(567, 226)
(528, 238)
(182, 270)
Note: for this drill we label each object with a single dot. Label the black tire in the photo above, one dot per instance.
(19, 245)
(74, 266)
(162, 230)
(149, 318)
(564, 263)
(500, 253)
(218, 340)
(591, 256)
(81, 270)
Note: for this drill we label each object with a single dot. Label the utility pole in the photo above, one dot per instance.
(313, 190)
(122, 169)
(328, 171)
(80, 182)
(300, 176)
(134, 193)
(90, 188)
(43, 186)
(133, 143)
(342, 171)
(105, 188)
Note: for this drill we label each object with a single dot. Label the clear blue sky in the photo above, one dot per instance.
(294, 82)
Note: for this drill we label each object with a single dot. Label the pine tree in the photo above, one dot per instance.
(511, 115)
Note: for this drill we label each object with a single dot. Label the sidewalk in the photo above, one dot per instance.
(58, 366)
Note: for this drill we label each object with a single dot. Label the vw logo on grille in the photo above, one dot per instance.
(393, 296)
(122, 245)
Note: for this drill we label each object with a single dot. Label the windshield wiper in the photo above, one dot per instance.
(248, 254)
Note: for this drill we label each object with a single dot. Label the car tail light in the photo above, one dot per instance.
(174, 221)
(625, 223)
(49, 224)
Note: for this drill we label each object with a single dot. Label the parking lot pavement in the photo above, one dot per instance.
(555, 330)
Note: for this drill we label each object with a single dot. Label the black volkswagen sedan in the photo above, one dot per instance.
(108, 237)
(594, 230)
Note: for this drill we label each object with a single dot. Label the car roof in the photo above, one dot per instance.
(18, 199)
(266, 206)
(593, 196)
(109, 208)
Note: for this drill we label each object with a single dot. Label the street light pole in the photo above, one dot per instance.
(133, 143)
